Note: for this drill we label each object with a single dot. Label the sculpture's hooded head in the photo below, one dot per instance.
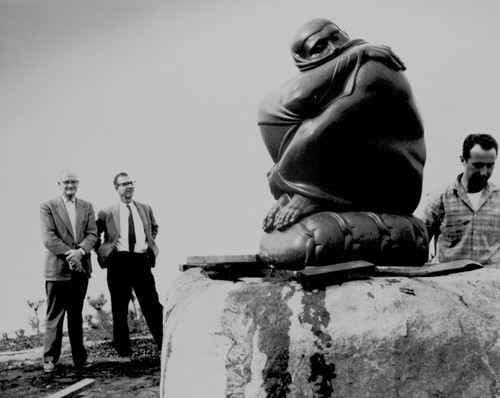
(316, 42)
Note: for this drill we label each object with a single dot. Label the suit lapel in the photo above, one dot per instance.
(115, 212)
(144, 218)
(80, 211)
(63, 213)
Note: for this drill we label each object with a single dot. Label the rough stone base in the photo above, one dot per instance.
(382, 337)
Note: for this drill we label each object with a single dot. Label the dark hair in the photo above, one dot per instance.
(122, 174)
(486, 142)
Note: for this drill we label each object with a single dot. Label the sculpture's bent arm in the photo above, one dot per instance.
(311, 91)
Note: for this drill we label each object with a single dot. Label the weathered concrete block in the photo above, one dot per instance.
(382, 337)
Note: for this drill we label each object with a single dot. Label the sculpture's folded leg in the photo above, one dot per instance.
(328, 238)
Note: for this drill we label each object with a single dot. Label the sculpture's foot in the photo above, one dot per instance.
(268, 223)
(298, 207)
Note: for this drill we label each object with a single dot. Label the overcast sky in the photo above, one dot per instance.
(168, 91)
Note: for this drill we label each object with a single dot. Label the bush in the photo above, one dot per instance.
(21, 342)
(35, 322)
(99, 326)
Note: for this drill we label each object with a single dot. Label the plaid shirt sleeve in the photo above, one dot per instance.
(432, 213)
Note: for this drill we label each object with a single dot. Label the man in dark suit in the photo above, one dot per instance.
(129, 251)
(69, 233)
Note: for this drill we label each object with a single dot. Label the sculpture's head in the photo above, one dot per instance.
(316, 42)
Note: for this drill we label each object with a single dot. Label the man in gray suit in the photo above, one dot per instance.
(69, 233)
(129, 251)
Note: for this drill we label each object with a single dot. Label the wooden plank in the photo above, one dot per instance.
(241, 270)
(222, 267)
(230, 267)
(228, 270)
(74, 389)
(318, 277)
(235, 259)
(429, 269)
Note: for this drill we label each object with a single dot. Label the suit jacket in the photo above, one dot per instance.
(58, 236)
(108, 222)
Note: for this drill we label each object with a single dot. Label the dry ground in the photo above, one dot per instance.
(21, 373)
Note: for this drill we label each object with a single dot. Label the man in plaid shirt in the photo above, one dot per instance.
(464, 216)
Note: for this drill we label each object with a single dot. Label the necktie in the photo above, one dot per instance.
(131, 230)
(70, 207)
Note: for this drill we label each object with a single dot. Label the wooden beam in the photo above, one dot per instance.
(429, 269)
(200, 260)
(74, 389)
(318, 277)
(226, 267)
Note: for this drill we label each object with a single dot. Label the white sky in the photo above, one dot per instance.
(168, 91)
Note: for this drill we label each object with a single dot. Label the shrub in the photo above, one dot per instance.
(35, 321)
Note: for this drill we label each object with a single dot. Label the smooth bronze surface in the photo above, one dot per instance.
(344, 133)
(346, 137)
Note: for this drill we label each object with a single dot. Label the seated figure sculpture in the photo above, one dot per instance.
(345, 136)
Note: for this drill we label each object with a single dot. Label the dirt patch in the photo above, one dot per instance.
(21, 373)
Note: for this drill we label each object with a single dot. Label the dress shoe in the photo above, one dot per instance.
(49, 367)
(83, 365)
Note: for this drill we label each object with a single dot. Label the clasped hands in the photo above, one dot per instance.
(73, 257)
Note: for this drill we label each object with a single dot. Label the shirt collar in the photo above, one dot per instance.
(459, 188)
(457, 185)
(66, 200)
(124, 205)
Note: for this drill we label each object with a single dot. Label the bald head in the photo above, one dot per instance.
(65, 172)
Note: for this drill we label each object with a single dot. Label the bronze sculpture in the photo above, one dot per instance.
(345, 136)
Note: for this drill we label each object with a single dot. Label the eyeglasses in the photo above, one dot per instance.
(68, 182)
(126, 184)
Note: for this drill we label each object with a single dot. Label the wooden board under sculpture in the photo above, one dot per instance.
(348, 145)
